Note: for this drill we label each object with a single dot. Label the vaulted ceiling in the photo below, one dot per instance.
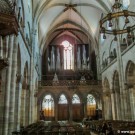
(73, 17)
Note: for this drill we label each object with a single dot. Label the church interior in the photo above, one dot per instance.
(67, 67)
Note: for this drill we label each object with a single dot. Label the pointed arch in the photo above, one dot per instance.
(130, 73)
(76, 99)
(116, 85)
(63, 99)
(91, 106)
(48, 107)
(106, 85)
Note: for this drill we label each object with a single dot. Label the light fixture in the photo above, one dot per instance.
(113, 21)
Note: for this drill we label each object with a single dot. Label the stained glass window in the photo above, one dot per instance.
(75, 99)
(91, 105)
(48, 105)
(68, 57)
(91, 99)
(63, 99)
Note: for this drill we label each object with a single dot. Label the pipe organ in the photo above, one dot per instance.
(80, 57)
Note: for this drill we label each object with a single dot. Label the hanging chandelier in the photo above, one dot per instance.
(112, 23)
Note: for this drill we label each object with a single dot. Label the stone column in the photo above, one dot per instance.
(70, 111)
(2, 101)
(85, 108)
(23, 107)
(28, 106)
(103, 102)
(13, 88)
(113, 105)
(132, 103)
(35, 117)
(31, 77)
(122, 103)
(8, 88)
(107, 106)
(121, 77)
(56, 110)
(1, 47)
(118, 105)
(18, 102)
(127, 106)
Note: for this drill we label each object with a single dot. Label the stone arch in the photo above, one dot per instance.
(77, 96)
(66, 95)
(116, 86)
(130, 82)
(117, 99)
(48, 111)
(80, 95)
(130, 73)
(40, 100)
(42, 95)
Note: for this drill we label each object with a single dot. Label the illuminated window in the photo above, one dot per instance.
(91, 100)
(48, 106)
(63, 99)
(68, 55)
(75, 99)
(91, 105)
(126, 4)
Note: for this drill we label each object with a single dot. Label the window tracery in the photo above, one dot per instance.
(75, 99)
(63, 99)
(48, 106)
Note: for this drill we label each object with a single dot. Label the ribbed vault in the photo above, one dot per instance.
(55, 16)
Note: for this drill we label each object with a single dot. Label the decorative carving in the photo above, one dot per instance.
(8, 24)
(3, 63)
(55, 80)
(8, 21)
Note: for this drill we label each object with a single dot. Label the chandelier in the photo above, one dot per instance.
(112, 22)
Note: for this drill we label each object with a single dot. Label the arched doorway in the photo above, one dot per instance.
(130, 77)
(63, 112)
(48, 107)
(107, 100)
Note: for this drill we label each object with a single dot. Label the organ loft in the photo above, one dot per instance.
(67, 67)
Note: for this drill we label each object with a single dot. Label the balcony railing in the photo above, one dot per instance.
(69, 83)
